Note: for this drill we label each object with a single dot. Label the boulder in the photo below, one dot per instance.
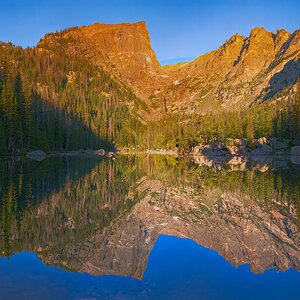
(262, 151)
(101, 152)
(237, 142)
(240, 142)
(237, 160)
(210, 149)
(263, 168)
(237, 163)
(237, 147)
(217, 162)
(37, 155)
(110, 154)
(262, 141)
(237, 150)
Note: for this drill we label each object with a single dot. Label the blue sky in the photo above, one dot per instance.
(178, 28)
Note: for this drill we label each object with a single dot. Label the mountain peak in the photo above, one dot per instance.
(258, 31)
(124, 50)
(140, 24)
(282, 32)
(235, 37)
(281, 37)
(103, 26)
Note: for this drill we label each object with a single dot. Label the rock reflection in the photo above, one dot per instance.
(104, 217)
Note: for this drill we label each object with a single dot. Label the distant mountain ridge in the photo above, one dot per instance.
(244, 70)
(176, 60)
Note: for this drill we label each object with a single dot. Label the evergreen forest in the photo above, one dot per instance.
(56, 102)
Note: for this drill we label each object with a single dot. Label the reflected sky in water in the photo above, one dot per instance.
(149, 228)
(177, 269)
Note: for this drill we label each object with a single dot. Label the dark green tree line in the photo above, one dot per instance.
(52, 101)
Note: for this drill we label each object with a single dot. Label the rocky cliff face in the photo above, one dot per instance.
(242, 71)
(124, 50)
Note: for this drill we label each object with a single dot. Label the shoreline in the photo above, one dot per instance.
(200, 152)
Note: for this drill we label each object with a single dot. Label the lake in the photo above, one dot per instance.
(149, 227)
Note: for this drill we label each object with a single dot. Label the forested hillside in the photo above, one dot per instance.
(101, 86)
(277, 118)
(53, 101)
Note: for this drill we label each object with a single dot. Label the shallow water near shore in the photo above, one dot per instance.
(149, 227)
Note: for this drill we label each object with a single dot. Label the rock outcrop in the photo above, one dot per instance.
(210, 149)
(124, 50)
(243, 71)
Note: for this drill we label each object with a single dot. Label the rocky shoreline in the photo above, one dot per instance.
(242, 147)
(40, 155)
(235, 150)
(237, 153)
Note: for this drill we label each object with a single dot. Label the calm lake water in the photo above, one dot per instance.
(149, 227)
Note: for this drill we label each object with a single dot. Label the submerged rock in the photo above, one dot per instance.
(262, 151)
(237, 150)
(37, 155)
(277, 145)
(295, 151)
(210, 149)
(295, 159)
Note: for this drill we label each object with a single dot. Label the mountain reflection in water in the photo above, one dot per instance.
(104, 217)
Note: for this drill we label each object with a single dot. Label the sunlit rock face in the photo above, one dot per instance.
(123, 50)
(242, 71)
